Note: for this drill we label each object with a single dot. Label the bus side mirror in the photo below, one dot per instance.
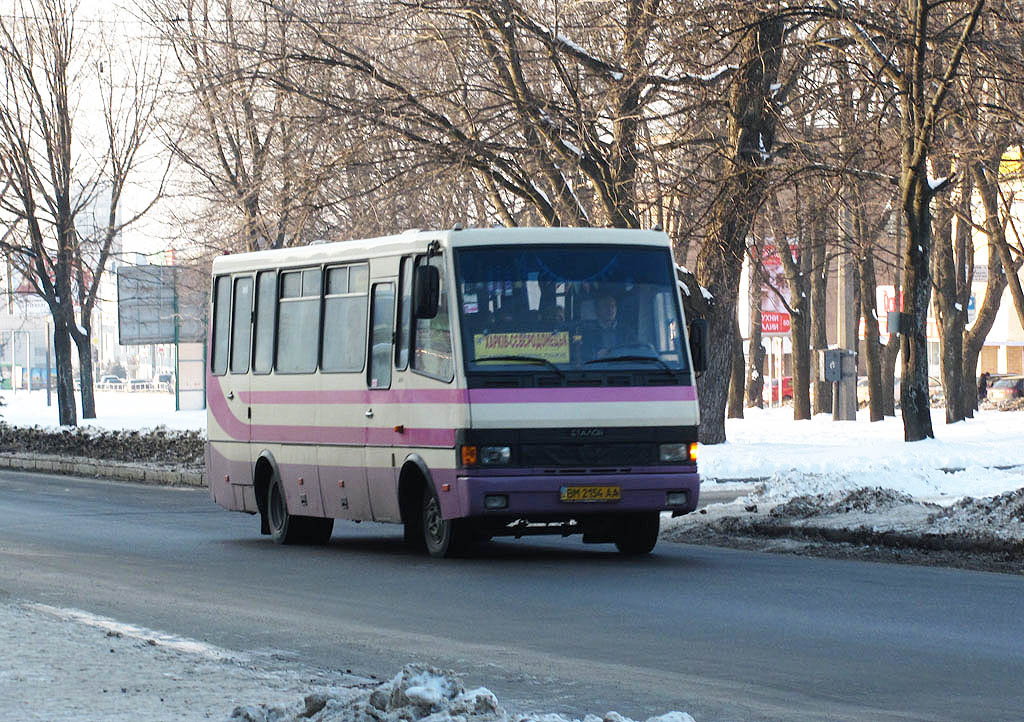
(426, 291)
(699, 344)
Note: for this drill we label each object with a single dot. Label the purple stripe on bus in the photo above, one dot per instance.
(585, 394)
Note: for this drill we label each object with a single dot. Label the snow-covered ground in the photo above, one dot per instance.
(114, 410)
(65, 664)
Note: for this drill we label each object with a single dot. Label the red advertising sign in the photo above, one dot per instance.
(774, 316)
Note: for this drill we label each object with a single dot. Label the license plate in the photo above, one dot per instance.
(591, 493)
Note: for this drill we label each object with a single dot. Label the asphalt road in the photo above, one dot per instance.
(548, 625)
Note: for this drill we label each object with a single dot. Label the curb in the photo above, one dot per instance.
(116, 470)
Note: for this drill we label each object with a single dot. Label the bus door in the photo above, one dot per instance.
(341, 453)
(384, 431)
(235, 387)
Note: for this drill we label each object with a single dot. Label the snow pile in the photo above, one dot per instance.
(866, 500)
(161, 445)
(1001, 516)
(417, 694)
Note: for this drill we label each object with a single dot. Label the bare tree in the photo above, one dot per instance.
(57, 177)
(920, 56)
(37, 63)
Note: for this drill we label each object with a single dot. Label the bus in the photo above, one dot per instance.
(467, 384)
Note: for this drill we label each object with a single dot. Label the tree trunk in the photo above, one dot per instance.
(950, 313)
(66, 412)
(914, 401)
(751, 125)
(819, 324)
(872, 343)
(736, 378)
(974, 339)
(86, 375)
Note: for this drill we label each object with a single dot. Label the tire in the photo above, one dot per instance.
(317, 530)
(442, 537)
(288, 529)
(638, 533)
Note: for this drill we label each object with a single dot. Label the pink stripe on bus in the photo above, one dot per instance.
(239, 430)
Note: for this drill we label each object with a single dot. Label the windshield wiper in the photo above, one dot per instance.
(655, 359)
(529, 359)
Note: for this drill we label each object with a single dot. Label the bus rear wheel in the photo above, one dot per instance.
(638, 533)
(286, 528)
(443, 537)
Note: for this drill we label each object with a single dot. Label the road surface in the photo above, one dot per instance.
(549, 625)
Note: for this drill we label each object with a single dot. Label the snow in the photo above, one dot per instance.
(574, 149)
(714, 75)
(934, 183)
(114, 409)
(96, 668)
(822, 454)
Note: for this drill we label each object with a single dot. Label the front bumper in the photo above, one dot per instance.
(536, 493)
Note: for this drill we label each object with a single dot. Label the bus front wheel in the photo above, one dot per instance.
(638, 533)
(443, 537)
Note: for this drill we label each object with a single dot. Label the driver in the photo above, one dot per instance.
(606, 334)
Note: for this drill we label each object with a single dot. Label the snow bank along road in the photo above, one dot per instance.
(549, 626)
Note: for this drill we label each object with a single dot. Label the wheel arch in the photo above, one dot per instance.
(413, 480)
(264, 470)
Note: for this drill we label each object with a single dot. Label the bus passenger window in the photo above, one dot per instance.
(241, 325)
(345, 319)
(432, 342)
(298, 322)
(266, 305)
(381, 333)
(221, 324)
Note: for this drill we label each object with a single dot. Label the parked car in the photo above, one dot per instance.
(787, 390)
(112, 380)
(1007, 388)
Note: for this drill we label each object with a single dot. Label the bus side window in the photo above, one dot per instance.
(221, 325)
(432, 337)
(241, 325)
(344, 340)
(404, 315)
(298, 321)
(266, 306)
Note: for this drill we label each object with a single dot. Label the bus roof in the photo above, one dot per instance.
(416, 241)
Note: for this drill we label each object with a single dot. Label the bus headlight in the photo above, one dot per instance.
(678, 453)
(495, 455)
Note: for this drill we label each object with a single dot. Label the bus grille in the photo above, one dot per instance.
(589, 455)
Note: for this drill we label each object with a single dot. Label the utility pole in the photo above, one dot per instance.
(844, 407)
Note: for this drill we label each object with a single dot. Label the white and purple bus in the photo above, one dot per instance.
(466, 383)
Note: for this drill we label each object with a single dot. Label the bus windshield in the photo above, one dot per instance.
(569, 308)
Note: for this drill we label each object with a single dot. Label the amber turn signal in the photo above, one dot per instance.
(468, 455)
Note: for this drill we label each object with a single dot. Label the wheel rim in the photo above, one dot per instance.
(432, 522)
(276, 508)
